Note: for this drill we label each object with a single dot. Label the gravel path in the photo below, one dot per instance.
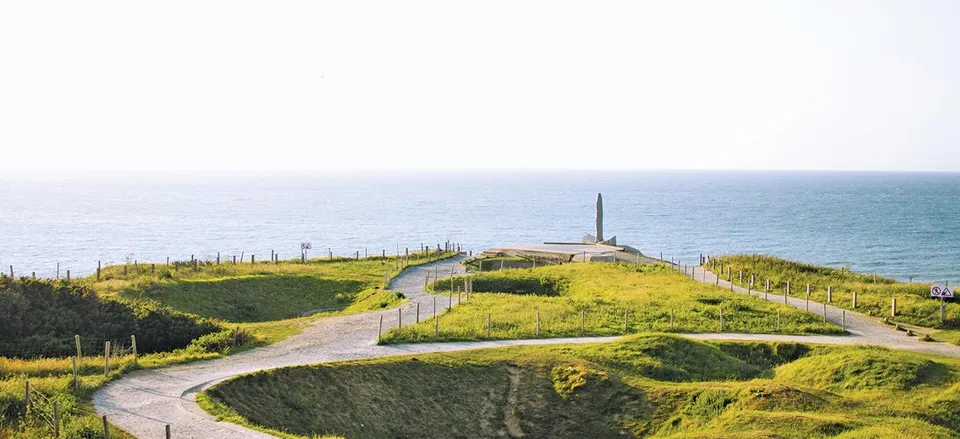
(142, 402)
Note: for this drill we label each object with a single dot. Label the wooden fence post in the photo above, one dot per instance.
(807, 302)
(824, 312)
(68, 275)
(26, 398)
(854, 299)
(106, 428)
(133, 345)
(893, 307)
(380, 328)
(399, 318)
(766, 289)
(418, 312)
(167, 431)
(830, 294)
(76, 341)
(98, 271)
(106, 358)
(56, 418)
(843, 319)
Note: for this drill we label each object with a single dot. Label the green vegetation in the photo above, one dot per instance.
(649, 385)
(611, 296)
(179, 313)
(874, 295)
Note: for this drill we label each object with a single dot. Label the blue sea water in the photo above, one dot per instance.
(903, 225)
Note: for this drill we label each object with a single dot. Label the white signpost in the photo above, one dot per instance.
(304, 246)
(943, 292)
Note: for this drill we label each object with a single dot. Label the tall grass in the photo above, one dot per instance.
(874, 297)
(615, 299)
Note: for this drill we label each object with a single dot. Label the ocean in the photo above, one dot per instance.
(895, 224)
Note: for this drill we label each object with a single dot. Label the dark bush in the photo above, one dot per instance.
(40, 317)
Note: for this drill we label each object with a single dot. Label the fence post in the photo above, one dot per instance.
(721, 319)
(133, 345)
(418, 312)
(167, 431)
(893, 307)
(106, 358)
(399, 318)
(766, 290)
(26, 398)
(854, 299)
(671, 319)
(56, 418)
(76, 341)
(98, 271)
(807, 303)
(380, 328)
(68, 275)
(843, 319)
(106, 428)
(830, 294)
(824, 313)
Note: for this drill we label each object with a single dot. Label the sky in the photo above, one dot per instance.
(445, 85)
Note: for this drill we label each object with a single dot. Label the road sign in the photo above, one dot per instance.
(938, 291)
(305, 246)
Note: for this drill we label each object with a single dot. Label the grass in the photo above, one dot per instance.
(645, 298)
(874, 294)
(259, 303)
(650, 385)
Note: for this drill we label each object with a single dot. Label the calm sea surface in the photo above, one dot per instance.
(898, 224)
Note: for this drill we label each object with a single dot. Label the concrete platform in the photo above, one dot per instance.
(568, 252)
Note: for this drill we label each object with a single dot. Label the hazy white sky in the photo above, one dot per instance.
(493, 84)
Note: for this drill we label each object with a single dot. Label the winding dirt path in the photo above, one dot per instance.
(142, 402)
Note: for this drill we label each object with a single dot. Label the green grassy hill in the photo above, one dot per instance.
(615, 298)
(874, 294)
(179, 312)
(643, 386)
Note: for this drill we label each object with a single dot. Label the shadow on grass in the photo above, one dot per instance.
(257, 298)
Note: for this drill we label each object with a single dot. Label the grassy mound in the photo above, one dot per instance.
(615, 298)
(642, 386)
(874, 294)
(864, 368)
(263, 291)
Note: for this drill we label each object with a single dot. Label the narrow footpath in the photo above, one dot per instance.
(143, 402)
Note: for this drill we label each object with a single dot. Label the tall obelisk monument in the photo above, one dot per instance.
(599, 218)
